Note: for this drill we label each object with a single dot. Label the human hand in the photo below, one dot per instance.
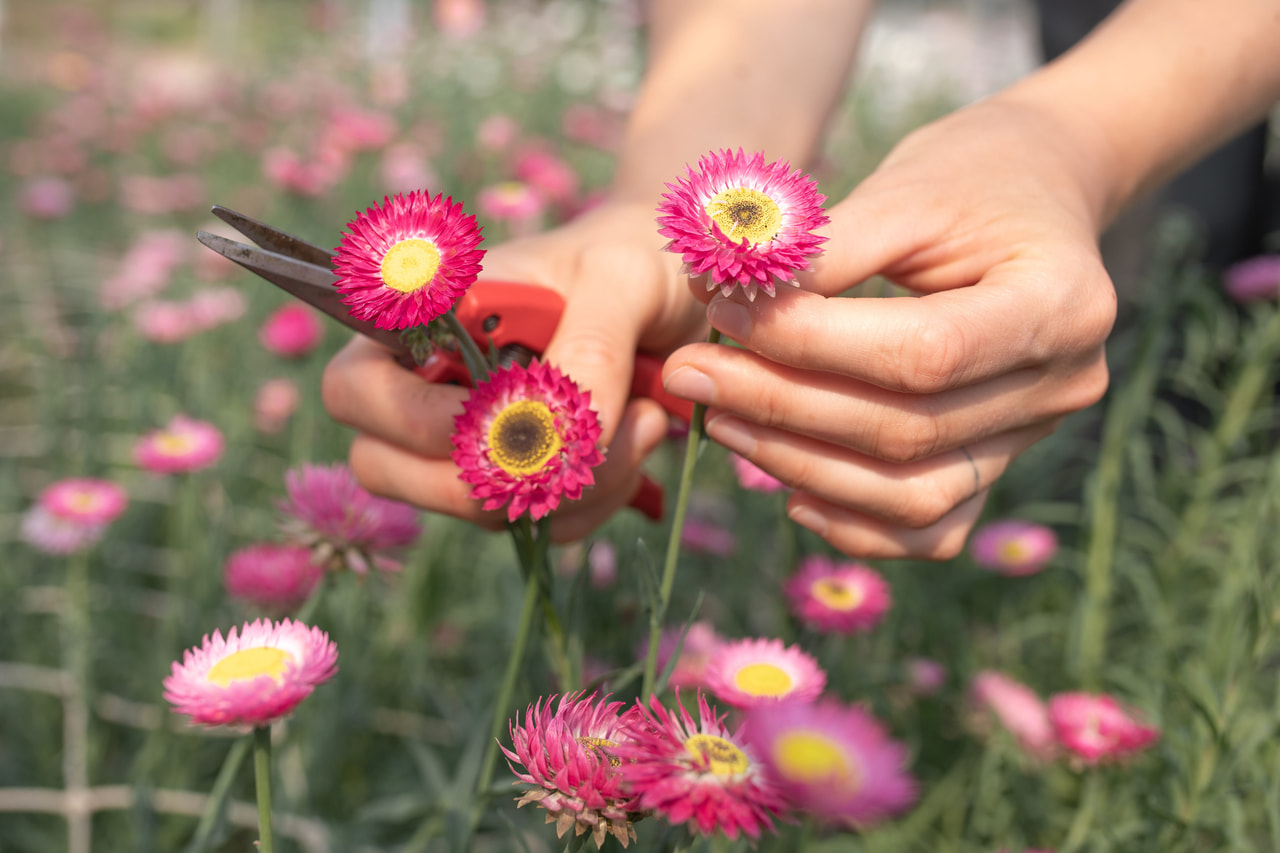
(892, 417)
(621, 293)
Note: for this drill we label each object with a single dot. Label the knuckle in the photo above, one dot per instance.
(914, 438)
(931, 357)
(925, 504)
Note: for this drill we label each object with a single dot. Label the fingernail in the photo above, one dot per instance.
(808, 517)
(691, 384)
(731, 318)
(733, 434)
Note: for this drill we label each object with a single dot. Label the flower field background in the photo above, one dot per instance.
(121, 123)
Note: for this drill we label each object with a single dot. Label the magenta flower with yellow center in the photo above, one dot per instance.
(1012, 547)
(85, 500)
(527, 438)
(253, 676)
(833, 761)
(746, 673)
(698, 772)
(405, 263)
(183, 445)
(739, 221)
(836, 597)
(571, 764)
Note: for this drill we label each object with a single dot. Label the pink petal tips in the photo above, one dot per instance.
(405, 263)
(526, 439)
(740, 221)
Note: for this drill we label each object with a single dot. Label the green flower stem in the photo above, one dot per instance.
(1082, 823)
(77, 652)
(216, 804)
(262, 780)
(502, 704)
(697, 431)
(472, 357)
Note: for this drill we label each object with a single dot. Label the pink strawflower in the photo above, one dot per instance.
(526, 439)
(164, 321)
(925, 676)
(707, 537)
(291, 331)
(146, 269)
(458, 19)
(549, 176)
(1019, 710)
(1013, 548)
(1096, 728)
(753, 477)
(697, 772)
(85, 500)
(1253, 280)
(700, 644)
(842, 598)
(405, 263)
(183, 445)
(53, 534)
(602, 565)
(751, 672)
(497, 132)
(274, 576)
(833, 761)
(274, 404)
(345, 526)
(510, 201)
(740, 221)
(253, 677)
(211, 307)
(46, 198)
(570, 761)
(404, 168)
(359, 129)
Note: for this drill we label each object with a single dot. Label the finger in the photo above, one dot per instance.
(866, 537)
(914, 495)
(1017, 317)
(365, 388)
(866, 418)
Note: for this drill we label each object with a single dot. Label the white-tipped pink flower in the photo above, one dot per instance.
(345, 526)
(1096, 728)
(183, 445)
(1019, 710)
(747, 673)
(833, 761)
(842, 597)
(741, 222)
(52, 534)
(1013, 548)
(254, 676)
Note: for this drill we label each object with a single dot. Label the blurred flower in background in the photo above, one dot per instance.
(1018, 709)
(836, 597)
(690, 670)
(274, 404)
(750, 672)
(753, 477)
(291, 331)
(182, 446)
(277, 577)
(71, 515)
(1096, 728)
(1253, 280)
(46, 198)
(1013, 548)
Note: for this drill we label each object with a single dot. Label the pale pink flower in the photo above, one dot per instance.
(1018, 709)
(344, 525)
(165, 322)
(925, 676)
(746, 673)
(707, 537)
(497, 132)
(551, 177)
(405, 168)
(1253, 280)
(458, 19)
(697, 772)
(592, 125)
(700, 644)
(146, 268)
(840, 597)
(602, 565)
(1012, 547)
(85, 500)
(55, 535)
(571, 767)
(253, 677)
(832, 761)
(275, 576)
(46, 198)
(148, 194)
(359, 129)
(751, 476)
(274, 404)
(1096, 728)
(291, 331)
(183, 445)
(510, 201)
(211, 307)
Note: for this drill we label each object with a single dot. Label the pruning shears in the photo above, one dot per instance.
(517, 319)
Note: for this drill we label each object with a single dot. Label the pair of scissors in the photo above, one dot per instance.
(518, 319)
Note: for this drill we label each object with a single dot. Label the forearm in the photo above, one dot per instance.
(1157, 85)
(759, 74)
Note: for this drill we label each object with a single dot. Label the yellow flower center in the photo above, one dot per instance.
(84, 501)
(175, 443)
(250, 663)
(598, 745)
(763, 679)
(410, 264)
(523, 438)
(724, 758)
(837, 594)
(1014, 551)
(811, 758)
(744, 213)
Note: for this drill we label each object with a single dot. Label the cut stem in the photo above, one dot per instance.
(472, 357)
